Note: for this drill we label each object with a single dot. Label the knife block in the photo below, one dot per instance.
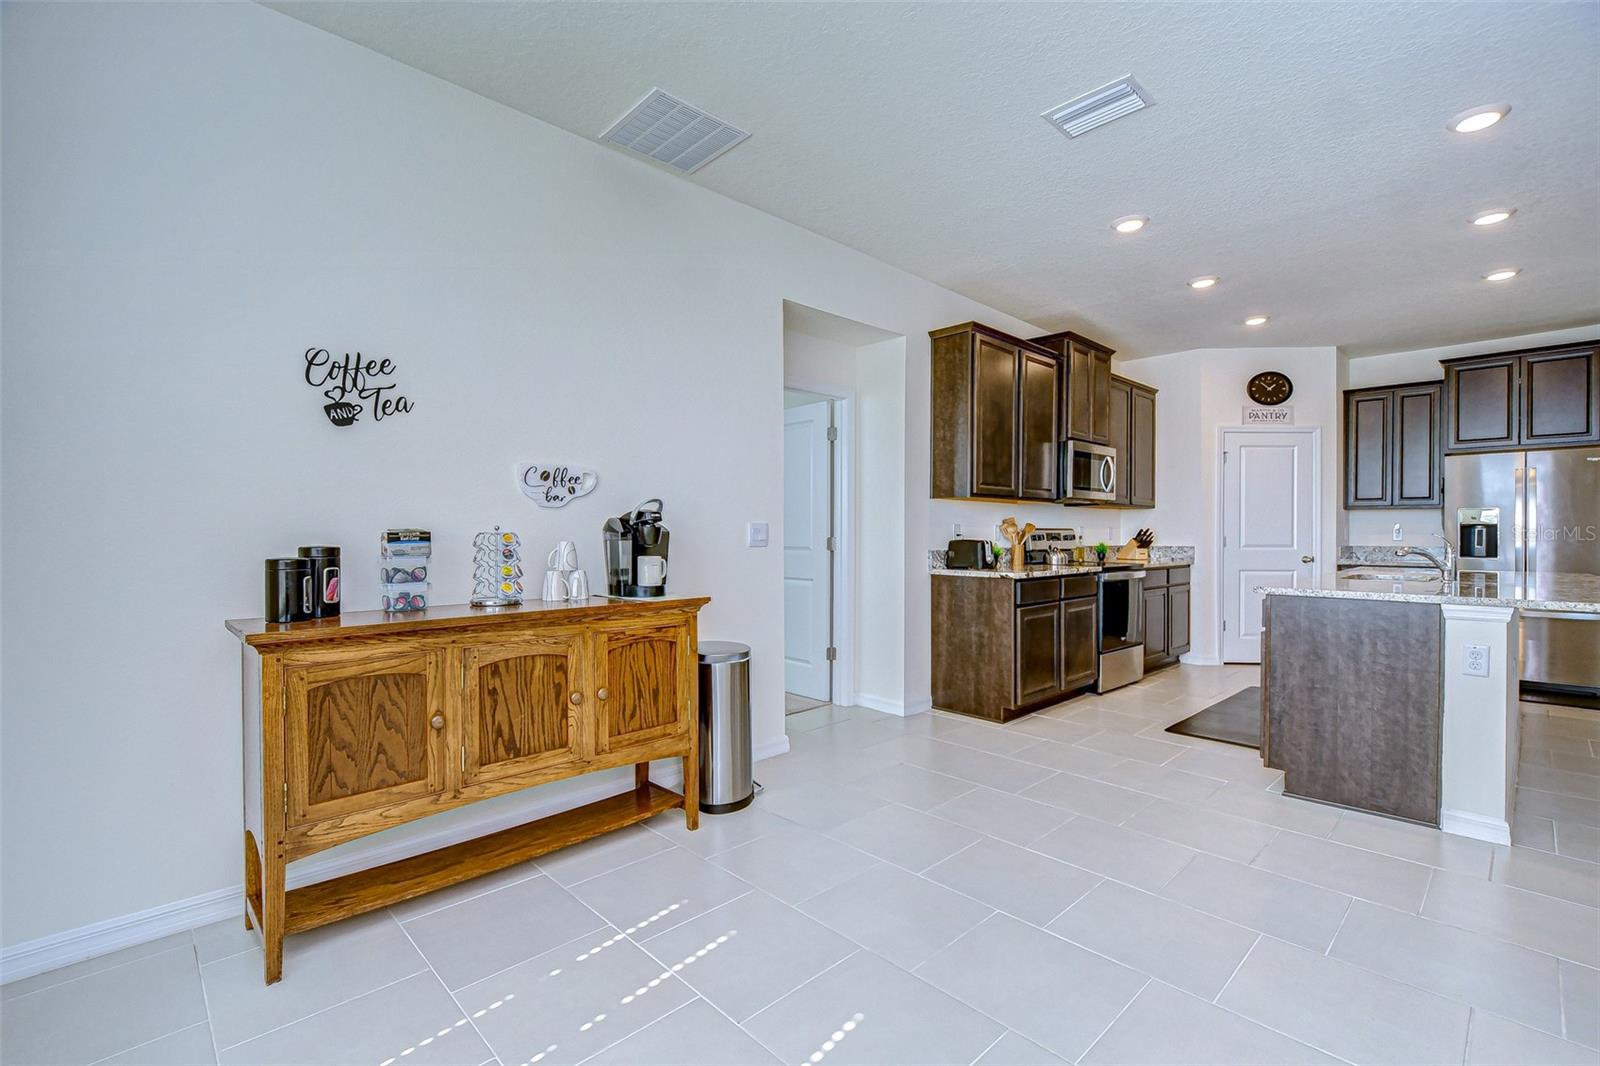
(1132, 553)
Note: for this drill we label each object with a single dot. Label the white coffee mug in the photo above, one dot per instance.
(652, 570)
(555, 586)
(578, 585)
(564, 556)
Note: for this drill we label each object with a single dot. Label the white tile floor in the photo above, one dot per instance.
(1079, 886)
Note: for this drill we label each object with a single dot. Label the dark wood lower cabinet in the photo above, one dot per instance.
(1003, 647)
(1037, 644)
(1166, 616)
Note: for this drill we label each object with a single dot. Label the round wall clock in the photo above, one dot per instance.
(1270, 388)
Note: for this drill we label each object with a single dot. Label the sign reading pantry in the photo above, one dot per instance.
(358, 377)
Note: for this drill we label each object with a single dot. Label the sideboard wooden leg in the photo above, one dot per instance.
(252, 879)
(641, 775)
(691, 791)
(272, 915)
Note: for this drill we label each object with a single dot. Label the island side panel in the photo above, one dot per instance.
(1355, 696)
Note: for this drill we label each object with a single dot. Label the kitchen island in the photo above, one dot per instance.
(1396, 691)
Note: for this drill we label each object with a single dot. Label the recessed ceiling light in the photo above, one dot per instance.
(1493, 218)
(1130, 223)
(1203, 282)
(1256, 320)
(1503, 274)
(1475, 119)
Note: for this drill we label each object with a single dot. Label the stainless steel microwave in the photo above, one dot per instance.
(1088, 471)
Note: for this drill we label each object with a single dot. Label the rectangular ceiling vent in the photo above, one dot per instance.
(670, 131)
(1093, 109)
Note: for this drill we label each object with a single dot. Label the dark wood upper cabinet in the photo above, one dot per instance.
(1040, 452)
(1536, 398)
(1086, 386)
(1393, 446)
(994, 418)
(1368, 434)
(1140, 471)
(1483, 404)
(1560, 402)
(994, 411)
(1121, 439)
(1419, 445)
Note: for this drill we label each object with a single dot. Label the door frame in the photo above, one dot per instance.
(842, 574)
(1314, 435)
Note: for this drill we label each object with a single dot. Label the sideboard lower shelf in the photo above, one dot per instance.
(395, 882)
(357, 725)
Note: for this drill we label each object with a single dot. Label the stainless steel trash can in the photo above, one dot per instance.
(726, 783)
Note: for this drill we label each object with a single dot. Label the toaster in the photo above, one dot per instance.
(968, 555)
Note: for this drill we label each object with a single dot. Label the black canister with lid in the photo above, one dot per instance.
(324, 560)
(288, 587)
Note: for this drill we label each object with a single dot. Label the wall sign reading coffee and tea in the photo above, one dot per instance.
(355, 385)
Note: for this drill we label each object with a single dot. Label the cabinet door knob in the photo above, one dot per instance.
(437, 721)
(602, 693)
(576, 698)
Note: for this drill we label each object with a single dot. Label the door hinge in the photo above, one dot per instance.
(1224, 625)
(833, 654)
(833, 433)
(463, 758)
(286, 797)
(831, 545)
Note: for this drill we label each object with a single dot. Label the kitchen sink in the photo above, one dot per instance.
(1391, 574)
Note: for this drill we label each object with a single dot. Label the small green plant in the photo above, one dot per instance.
(1101, 548)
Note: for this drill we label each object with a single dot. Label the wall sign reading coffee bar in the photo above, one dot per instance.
(345, 380)
(555, 485)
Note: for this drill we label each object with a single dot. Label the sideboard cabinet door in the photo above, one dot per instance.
(641, 686)
(360, 731)
(518, 701)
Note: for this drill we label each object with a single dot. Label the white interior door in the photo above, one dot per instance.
(807, 557)
(1269, 527)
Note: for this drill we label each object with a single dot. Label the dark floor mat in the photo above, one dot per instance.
(1235, 720)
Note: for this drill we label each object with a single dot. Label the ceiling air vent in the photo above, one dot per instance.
(670, 131)
(1084, 113)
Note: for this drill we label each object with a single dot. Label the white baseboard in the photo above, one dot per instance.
(113, 934)
(1199, 660)
(888, 706)
(1476, 826)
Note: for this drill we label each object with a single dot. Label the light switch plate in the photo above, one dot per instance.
(955, 530)
(755, 535)
(1397, 534)
(1475, 662)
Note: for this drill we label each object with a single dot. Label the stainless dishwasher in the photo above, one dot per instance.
(1121, 628)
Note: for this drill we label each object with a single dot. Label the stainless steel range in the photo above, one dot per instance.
(1121, 629)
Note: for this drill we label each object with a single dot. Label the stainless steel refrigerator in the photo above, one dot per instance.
(1526, 513)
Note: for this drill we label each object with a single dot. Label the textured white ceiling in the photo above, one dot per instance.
(1298, 150)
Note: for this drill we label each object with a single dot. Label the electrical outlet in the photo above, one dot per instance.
(755, 535)
(1397, 534)
(1476, 662)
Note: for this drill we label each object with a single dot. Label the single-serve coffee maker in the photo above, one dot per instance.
(636, 552)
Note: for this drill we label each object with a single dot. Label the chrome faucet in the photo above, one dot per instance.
(1446, 567)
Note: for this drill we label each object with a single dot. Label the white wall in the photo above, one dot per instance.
(1418, 525)
(197, 193)
(1202, 391)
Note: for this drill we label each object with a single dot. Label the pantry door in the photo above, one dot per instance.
(1269, 526)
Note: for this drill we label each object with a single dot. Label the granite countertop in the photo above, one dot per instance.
(1576, 593)
(1060, 571)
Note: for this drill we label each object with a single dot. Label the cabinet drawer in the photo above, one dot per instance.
(1178, 575)
(1155, 578)
(1073, 588)
(1038, 590)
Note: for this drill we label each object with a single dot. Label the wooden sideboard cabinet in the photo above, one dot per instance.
(358, 724)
